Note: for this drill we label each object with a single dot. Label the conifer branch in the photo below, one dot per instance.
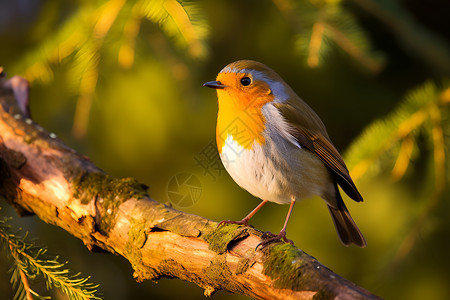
(33, 262)
(353, 49)
(43, 176)
(322, 26)
(422, 113)
(420, 108)
(80, 43)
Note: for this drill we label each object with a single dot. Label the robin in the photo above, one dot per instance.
(276, 147)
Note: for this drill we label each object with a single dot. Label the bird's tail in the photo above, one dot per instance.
(345, 226)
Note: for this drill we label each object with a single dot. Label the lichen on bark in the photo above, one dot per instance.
(108, 192)
(283, 264)
(222, 236)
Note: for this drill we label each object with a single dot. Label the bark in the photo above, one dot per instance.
(41, 175)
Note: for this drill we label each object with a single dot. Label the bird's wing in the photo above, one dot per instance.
(316, 140)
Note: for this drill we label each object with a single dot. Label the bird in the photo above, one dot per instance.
(276, 147)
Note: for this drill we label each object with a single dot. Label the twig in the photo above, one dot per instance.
(26, 285)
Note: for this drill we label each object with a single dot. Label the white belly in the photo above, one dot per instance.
(272, 177)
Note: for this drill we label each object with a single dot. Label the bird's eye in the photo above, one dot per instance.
(246, 81)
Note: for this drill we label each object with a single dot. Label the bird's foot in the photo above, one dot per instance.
(244, 222)
(269, 237)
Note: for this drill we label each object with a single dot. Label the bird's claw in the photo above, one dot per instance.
(268, 234)
(271, 237)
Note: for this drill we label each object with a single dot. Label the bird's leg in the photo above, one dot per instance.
(282, 234)
(245, 220)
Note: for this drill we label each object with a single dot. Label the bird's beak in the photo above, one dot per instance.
(214, 84)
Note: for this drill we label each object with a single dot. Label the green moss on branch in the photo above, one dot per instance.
(109, 192)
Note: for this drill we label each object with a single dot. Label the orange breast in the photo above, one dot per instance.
(240, 115)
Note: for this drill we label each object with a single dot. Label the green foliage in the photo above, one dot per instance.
(414, 134)
(323, 26)
(32, 263)
(394, 140)
(183, 21)
(83, 40)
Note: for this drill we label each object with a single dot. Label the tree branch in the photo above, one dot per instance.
(40, 175)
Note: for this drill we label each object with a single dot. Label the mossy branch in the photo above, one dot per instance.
(40, 175)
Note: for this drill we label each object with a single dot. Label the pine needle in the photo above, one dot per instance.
(325, 26)
(392, 140)
(82, 40)
(32, 263)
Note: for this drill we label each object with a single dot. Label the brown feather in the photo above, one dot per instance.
(311, 134)
(345, 226)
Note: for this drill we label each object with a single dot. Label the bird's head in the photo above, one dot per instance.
(243, 88)
(249, 83)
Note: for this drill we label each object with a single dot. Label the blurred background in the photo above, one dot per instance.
(121, 82)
